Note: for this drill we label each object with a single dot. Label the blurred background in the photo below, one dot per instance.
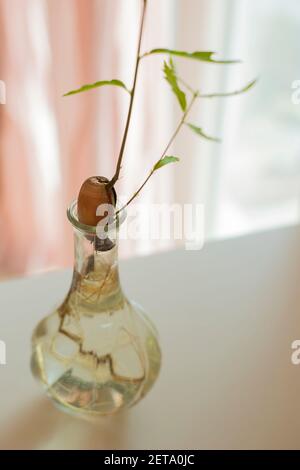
(50, 144)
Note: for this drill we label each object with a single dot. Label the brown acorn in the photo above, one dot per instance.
(93, 193)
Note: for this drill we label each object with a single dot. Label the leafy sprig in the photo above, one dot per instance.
(202, 56)
(175, 82)
(172, 79)
(92, 86)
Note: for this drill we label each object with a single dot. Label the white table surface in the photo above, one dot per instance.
(227, 316)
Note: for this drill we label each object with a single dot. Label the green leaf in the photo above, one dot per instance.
(171, 77)
(203, 56)
(165, 161)
(91, 86)
(200, 132)
(232, 93)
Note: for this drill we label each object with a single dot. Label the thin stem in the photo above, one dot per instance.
(187, 86)
(138, 58)
(172, 138)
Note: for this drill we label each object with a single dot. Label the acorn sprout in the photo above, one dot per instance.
(94, 192)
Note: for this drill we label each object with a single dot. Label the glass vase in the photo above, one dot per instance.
(98, 352)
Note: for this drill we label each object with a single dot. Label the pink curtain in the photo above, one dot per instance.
(50, 144)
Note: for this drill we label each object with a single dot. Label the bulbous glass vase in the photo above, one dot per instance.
(97, 353)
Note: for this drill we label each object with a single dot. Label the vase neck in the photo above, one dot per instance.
(96, 284)
(92, 254)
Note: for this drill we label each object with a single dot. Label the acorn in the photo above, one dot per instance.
(94, 192)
